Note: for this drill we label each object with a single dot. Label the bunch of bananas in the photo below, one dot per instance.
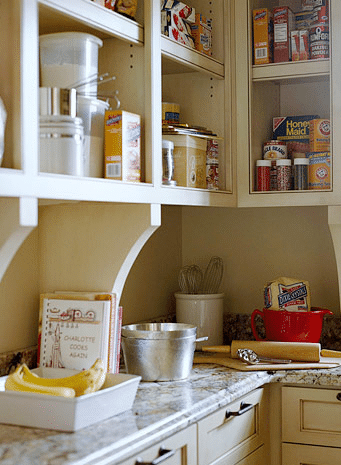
(84, 382)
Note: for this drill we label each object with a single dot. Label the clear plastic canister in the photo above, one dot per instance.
(301, 167)
(61, 145)
(263, 168)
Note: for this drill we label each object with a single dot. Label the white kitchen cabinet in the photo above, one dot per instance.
(147, 67)
(233, 434)
(311, 426)
(141, 60)
(282, 89)
(179, 449)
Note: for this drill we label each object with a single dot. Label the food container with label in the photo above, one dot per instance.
(301, 168)
(168, 163)
(283, 169)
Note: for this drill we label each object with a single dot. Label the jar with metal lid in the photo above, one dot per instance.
(61, 145)
(168, 163)
(301, 167)
(283, 169)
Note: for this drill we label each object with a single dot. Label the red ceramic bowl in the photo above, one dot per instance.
(287, 326)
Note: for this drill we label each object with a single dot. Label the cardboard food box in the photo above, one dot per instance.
(294, 130)
(202, 34)
(189, 160)
(284, 23)
(262, 36)
(319, 170)
(319, 133)
(122, 146)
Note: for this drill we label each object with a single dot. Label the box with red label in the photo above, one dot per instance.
(122, 145)
(284, 23)
(173, 26)
(299, 45)
(181, 9)
(262, 36)
(202, 34)
(319, 135)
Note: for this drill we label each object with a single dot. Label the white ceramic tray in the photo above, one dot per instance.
(63, 414)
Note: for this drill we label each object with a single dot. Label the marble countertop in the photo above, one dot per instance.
(160, 409)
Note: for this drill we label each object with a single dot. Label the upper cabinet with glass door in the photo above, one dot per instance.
(198, 78)
(302, 88)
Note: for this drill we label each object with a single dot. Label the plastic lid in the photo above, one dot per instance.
(263, 162)
(301, 161)
(69, 36)
(283, 162)
(167, 144)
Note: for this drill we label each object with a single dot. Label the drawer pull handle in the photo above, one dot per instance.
(338, 396)
(164, 454)
(243, 409)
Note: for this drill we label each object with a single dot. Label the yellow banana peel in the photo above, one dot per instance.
(84, 382)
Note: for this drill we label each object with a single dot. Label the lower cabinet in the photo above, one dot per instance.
(179, 449)
(298, 454)
(311, 426)
(236, 434)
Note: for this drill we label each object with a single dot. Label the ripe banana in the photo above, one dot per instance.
(15, 382)
(84, 382)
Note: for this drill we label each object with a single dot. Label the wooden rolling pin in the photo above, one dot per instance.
(296, 351)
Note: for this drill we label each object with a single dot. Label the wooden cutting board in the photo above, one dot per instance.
(227, 361)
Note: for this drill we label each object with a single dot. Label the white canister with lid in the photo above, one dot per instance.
(61, 145)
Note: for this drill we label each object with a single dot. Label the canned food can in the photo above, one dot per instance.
(170, 113)
(274, 149)
(319, 41)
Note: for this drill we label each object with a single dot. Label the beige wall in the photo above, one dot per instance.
(257, 245)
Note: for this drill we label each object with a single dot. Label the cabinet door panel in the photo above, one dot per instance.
(311, 416)
(298, 454)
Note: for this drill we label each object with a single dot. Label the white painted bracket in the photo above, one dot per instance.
(334, 223)
(155, 223)
(18, 217)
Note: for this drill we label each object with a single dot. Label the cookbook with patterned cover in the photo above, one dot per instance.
(77, 328)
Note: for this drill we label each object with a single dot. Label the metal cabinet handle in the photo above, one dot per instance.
(243, 409)
(164, 454)
(338, 396)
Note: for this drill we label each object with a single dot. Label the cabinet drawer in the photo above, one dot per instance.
(233, 432)
(297, 454)
(183, 446)
(311, 416)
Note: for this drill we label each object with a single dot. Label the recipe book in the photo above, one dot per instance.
(76, 328)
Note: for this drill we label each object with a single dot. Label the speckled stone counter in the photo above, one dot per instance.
(159, 410)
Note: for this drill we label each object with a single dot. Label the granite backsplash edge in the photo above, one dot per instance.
(236, 327)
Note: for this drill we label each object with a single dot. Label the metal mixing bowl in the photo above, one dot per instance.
(159, 351)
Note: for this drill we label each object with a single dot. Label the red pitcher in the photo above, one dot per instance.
(285, 326)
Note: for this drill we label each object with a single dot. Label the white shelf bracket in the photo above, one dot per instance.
(334, 223)
(18, 217)
(155, 223)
